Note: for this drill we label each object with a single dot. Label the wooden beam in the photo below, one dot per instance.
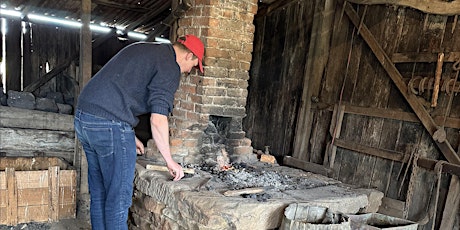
(307, 166)
(48, 76)
(274, 5)
(167, 23)
(453, 169)
(423, 57)
(394, 114)
(11, 117)
(159, 7)
(441, 7)
(395, 75)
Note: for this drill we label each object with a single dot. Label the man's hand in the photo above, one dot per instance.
(139, 147)
(175, 170)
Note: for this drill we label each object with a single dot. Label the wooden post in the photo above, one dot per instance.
(12, 200)
(85, 76)
(53, 188)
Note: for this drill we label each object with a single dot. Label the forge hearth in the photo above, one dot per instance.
(198, 200)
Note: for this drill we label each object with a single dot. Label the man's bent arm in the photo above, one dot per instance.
(160, 133)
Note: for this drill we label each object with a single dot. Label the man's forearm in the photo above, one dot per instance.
(160, 133)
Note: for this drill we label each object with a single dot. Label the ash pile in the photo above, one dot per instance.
(255, 180)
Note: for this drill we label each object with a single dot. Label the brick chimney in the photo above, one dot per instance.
(210, 107)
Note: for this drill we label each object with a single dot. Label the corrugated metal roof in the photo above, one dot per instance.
(136, 15)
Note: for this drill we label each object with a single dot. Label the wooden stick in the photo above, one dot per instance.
(165, 169)
(244, 191)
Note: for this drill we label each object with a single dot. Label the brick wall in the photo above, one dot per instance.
(227, 30)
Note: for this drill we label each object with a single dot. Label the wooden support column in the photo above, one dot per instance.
(84, 77)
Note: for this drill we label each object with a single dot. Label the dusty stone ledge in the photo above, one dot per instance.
(180, 205)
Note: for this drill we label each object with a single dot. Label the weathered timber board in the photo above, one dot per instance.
(351, 131)
(33, 119)
(276, 80)
(13, 60)
(32, 164)
(320, 129)
(370, 92)
(36, 140)
(383, 168)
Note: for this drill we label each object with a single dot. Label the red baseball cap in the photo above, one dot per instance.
(195, 45)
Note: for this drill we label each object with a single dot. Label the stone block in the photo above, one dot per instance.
(241, 150)
(374, 200)
(46, 104)
(3, 97)
(56, 96)
(23, 100)
(69, 100)
(267, 158)
(337, 198)
(64, 108)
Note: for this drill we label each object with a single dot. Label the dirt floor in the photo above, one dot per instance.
(70, 224)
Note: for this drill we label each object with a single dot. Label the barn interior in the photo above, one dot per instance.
(347, 107)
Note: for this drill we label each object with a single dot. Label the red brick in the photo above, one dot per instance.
(200, 21)
(176, 142)
(196, 99)
(190, 143)
(184, 22)
(242, 150)
(179, 113)
(246, 142)
(217, 53)
(188, 89)
(208, 81)
(187, 105)
(214, 91)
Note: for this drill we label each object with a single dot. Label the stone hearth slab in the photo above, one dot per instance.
(181, 205)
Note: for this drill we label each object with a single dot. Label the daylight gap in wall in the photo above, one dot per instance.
(3, 57)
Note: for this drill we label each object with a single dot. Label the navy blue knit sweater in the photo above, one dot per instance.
(142, 78)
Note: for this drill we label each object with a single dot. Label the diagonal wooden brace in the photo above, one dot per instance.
(397, 79)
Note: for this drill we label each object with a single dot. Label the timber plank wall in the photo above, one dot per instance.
(42, 46)
(281, 43)
(353, 77)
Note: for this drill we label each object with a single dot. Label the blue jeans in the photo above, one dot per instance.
(110, 150)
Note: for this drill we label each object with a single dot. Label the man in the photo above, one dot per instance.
(142, 78)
